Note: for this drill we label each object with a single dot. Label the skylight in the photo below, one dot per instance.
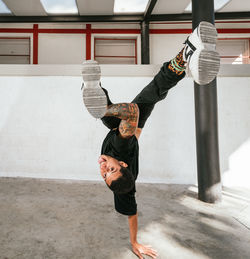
(60, 6)
(130, 6)
(3, 8)
(218, 4)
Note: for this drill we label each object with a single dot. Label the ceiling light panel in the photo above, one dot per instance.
(218, 4)
(60, 6)
(130, 6)
(3, 8)
(95, 7)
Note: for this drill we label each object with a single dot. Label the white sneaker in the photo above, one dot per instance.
(199, 52)
(94, 97)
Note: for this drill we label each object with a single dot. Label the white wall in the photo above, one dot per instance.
(61, 48)
(45, 131)
(234, 133)
(168, 44)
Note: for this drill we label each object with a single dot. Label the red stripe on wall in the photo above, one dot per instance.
(187, 31)
(35, 44)
(88, 41)
(112, 39)
(233, 30)
(191, 22)
(117, 31)
(75, 31)
(170, 31)
(15, 30)
(232, 22)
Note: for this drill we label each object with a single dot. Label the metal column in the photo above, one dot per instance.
(207, 148)
(145, 42)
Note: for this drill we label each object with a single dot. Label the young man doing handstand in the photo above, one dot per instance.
(119, 154)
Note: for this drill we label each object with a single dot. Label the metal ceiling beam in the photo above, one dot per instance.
(188, 16)
(52, 19)
(117, 18)
(149, 9)
(171, 17)
(232, 15)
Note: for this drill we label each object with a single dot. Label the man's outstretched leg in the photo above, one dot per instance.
(169, 75)
(198, 54)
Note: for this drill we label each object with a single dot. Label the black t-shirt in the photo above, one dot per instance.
(126, 150)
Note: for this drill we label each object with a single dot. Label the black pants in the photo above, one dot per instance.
(154, 92)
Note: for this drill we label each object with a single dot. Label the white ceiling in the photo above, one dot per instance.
(237, 6)
(170, 7)
(105, 7)
(95, 7)
(25, 7)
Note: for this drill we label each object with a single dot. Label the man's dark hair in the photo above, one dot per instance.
(124, 183)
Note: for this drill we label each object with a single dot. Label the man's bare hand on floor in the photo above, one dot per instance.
(139, 249)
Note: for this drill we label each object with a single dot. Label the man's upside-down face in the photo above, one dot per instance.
(110, 168)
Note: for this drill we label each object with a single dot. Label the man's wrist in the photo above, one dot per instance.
(133, 243)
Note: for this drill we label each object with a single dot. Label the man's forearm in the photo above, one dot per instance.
(123, 111)
(133, 227)
(129, 115)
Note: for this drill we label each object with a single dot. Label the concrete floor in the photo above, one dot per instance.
(75, 219)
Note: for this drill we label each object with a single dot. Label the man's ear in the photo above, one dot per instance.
(123, 164)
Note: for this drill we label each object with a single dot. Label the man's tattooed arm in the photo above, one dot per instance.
(129, 115)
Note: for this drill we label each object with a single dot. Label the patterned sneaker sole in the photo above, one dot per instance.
(208, 33)
(209, 65)
(91, 71)
(94, 97)
(95, 101)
